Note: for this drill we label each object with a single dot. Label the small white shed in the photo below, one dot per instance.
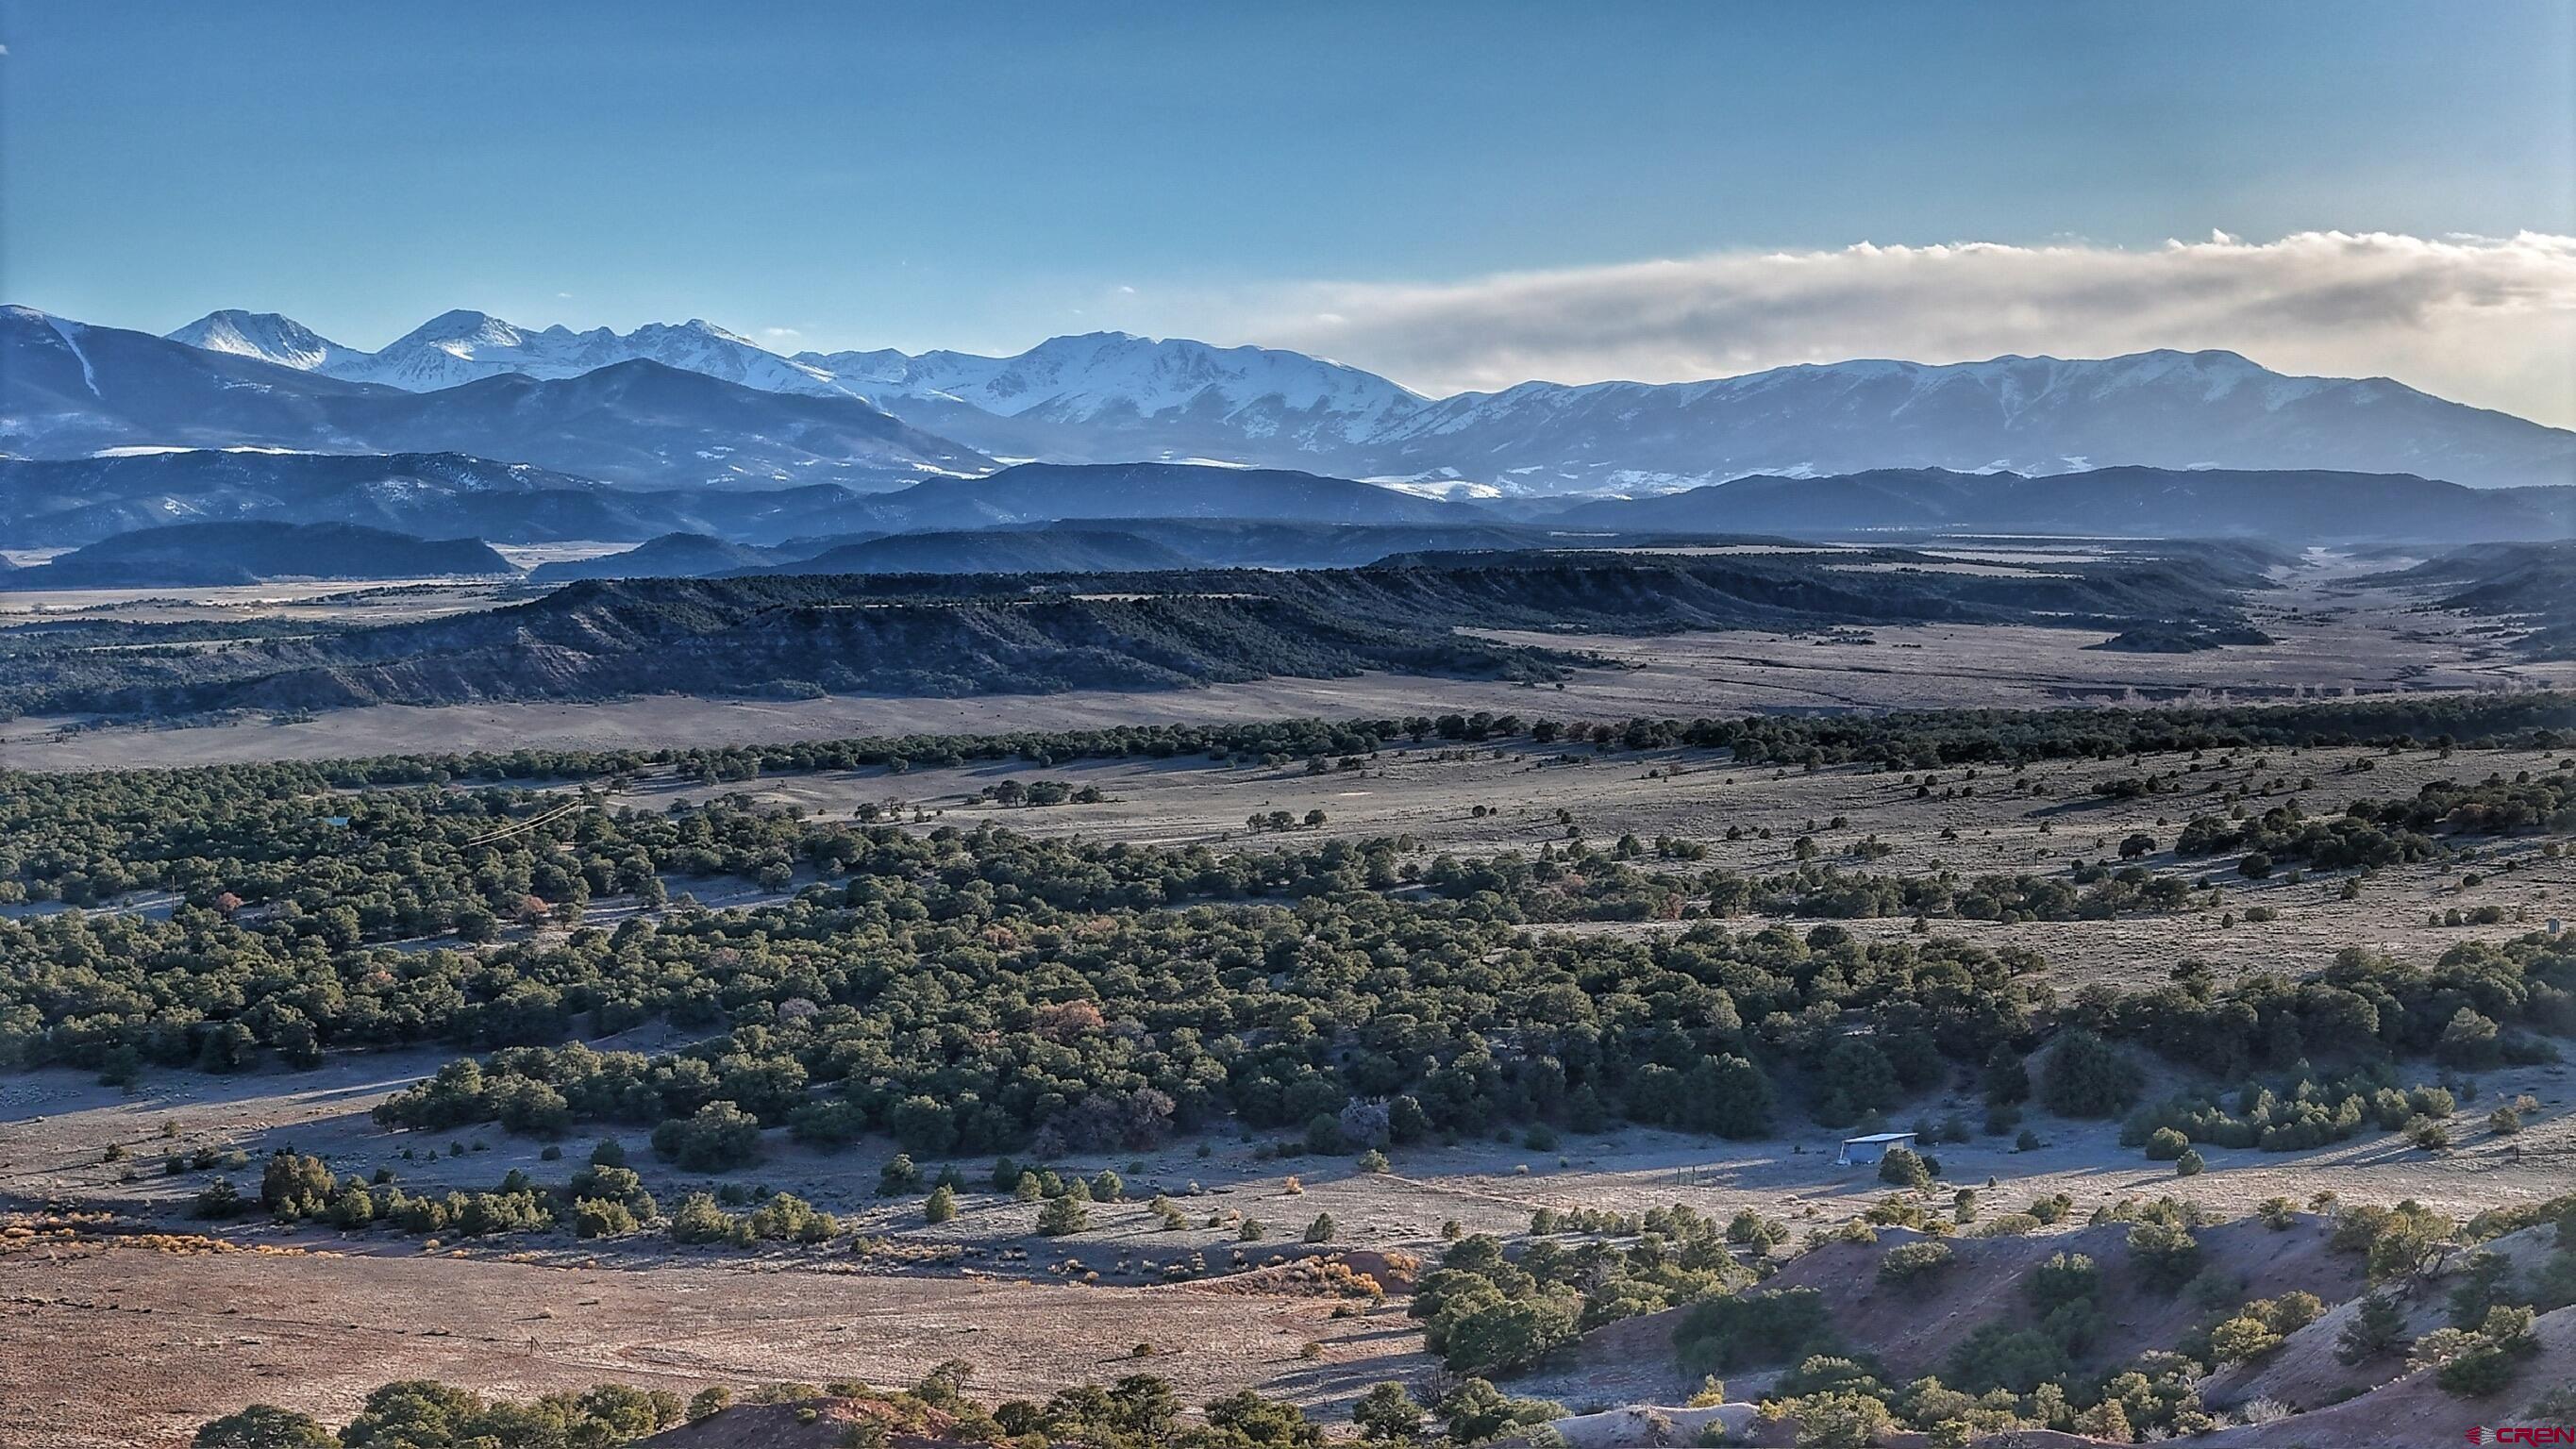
(1862, 1151)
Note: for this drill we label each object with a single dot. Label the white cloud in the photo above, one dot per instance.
(2490, 321)
(781, 334)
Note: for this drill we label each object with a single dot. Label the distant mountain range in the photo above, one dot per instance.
(1034, 492)
(2300, 507)
(2032, 415)
(1112, 397)
(68, 390)
(56, 503)
(1221, 515)
(461, 347)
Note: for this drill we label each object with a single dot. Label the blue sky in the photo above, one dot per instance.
(983, 176)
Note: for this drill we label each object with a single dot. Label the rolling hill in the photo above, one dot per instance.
(208, 554)
(1055, 549)
(2302, 507)
(54, 503)
(958, 634)
(671, 556)
(1038, 492)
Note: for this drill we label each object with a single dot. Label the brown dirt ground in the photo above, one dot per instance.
(112, 1345)
(2413, 1411)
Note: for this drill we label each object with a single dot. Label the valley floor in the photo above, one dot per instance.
(123, 1322)
(2334, 638)
(113, 1339)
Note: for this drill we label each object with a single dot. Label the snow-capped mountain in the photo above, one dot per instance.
(464, 346)
(1115, 397)
(270, 338)
(2036, 415)
(1101, 375)
(71, 390)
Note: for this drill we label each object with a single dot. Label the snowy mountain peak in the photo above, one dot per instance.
(1092, 377)
(461, 326)
(266, 336)
(464, 345)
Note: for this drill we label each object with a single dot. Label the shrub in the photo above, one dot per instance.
(265, 1426)
(941, 1206)
(2167, 1256)
(2477, 1372)
(2064, 1278)
(717, 1138)
(788, 1218)
(601, 1218)
(1745, 1329)
(2189, 1164)
(700, 1220)
(1063, 1215)
(2378, 1326)
(2481, 1284)
(828, 1125)
(1910, 1261)
(2166, 1145)
(2087, 1077)
(1903, 1168)
(1847, 1419)
(1477, 1411)
(1321, 1229)
(219, 1199)
(1387, 1414)
(1487, 1335)
(1999, 1355)
(2469, 1041)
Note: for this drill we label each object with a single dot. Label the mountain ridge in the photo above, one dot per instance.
(462, 345)
(1119, 397)
(68, 389)
(2302, 505)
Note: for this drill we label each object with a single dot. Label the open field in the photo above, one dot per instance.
(1479, 801)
